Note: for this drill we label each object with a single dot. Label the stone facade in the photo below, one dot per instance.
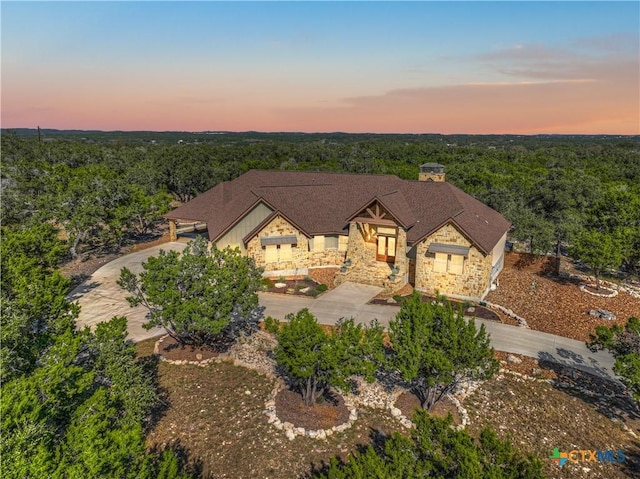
(301, 256)
(365, 269)
(474, 281)
(402, 262)
(430, 176)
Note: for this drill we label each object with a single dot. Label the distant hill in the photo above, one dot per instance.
(48, 134)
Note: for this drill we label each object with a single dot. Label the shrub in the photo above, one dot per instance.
(266, 283)
(322, 287)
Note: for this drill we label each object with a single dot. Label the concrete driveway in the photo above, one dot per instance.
(101, 298)
(504, 337)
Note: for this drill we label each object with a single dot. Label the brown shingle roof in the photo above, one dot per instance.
(321, 203)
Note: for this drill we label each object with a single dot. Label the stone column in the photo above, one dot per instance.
(356, 249)
(401, 253)
(173, 235)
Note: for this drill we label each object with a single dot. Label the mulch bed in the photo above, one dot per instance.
(170, 349)
(293, 286)
(325, 414)
(474, 311)
(408, 403)
(552, 304)
(324, 276)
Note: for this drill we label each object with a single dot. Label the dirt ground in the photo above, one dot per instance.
(555, 305)
(539, 416)
(215, 414)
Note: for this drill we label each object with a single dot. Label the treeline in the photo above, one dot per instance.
(554, 190)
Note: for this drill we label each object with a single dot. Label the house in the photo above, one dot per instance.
(427, 232)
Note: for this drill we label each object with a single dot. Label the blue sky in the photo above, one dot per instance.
(322, 66)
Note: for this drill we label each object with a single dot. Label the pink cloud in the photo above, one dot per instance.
(525, 108)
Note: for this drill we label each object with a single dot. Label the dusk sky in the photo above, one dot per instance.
(384, 67)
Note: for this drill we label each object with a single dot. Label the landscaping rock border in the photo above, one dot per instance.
(625, 288)
(583, 288)
(202, 362)
(521, 321)
(291, 431)
(251, 352)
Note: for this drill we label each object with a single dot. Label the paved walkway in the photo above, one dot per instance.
(101, 298)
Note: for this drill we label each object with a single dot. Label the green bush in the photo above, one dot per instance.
(313, 293)
(321, 288)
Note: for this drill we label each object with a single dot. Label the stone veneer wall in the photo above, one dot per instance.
(365, 269)
(473, 283)
(302, 257)
(402, 262)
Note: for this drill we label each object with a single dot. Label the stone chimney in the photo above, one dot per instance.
(431, 172)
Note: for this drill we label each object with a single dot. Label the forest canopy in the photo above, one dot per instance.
(104, 188)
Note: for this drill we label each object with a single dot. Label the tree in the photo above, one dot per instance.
(624, 344)
(435, 348)
(315, 360)
(80, 411)
(617, 212)
(198, 296)
(33, 294)
(435, 449)
(142, 209)
(530, 226)
(599, 250)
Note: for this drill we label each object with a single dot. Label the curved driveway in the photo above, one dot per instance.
(101, 298)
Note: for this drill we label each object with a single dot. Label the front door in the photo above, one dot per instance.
(386, 249)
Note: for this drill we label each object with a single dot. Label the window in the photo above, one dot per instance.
(448, 263)
(440, 263)
(271, 253)
(383, 230)
(276, 253)
(318, 243)
(343, 242)
(456, 263)
(391, 246)
(331, 242)
(286, 253)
